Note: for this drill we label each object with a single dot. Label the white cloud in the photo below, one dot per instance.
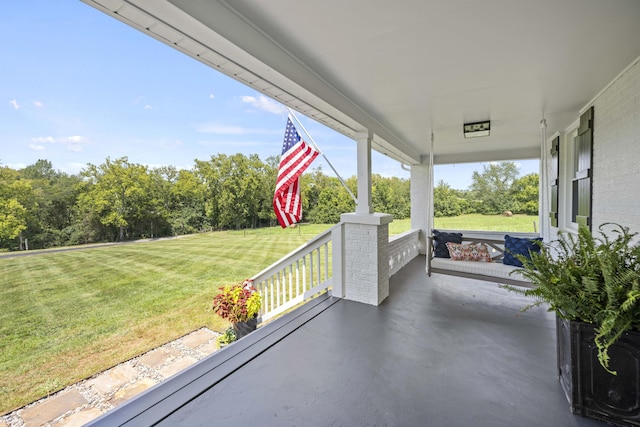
(44, 139)
(37, 104)
(74, 143)
(265, 104)
(148, 107)
(36, 147)
(15, 104)
(211, 96)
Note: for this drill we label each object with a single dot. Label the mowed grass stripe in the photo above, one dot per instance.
(68, 315)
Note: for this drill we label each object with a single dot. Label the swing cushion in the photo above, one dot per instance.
(514, 246)
(440, 239)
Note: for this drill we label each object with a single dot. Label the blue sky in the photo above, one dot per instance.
(78, 86)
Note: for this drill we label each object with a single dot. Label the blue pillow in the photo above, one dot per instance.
(440, 242)
(518, 246)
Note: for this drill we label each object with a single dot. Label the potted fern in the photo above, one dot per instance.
(593, 285)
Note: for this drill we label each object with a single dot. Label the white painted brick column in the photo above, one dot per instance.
(366, 257)
(421, 203)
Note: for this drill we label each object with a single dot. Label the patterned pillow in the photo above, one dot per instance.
(518, 246)
(440, 242)
(470, 252)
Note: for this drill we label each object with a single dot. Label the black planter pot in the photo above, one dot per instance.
(245, 328)
(591, 390)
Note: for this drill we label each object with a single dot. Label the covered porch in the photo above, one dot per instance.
(403, 79)
(439, 351)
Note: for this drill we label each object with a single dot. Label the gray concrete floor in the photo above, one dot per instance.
(440, 351)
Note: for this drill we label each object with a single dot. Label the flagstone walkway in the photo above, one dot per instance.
(86, 400)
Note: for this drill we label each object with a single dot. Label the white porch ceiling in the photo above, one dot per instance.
(404, 69)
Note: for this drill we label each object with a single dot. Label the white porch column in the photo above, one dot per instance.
(422, 202)
(364, 205)
(366, 257)
(366, 238)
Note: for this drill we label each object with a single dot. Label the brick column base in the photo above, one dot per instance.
(366, 257)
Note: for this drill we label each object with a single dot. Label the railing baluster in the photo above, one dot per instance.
(319, 276)
(304, 274)
(271, 284)
(290, 293)
(326, 261)
(297, 277)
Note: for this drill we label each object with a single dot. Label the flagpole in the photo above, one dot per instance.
(292, 114)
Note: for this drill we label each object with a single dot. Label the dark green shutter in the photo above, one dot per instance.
(583, 175)
(554, 180)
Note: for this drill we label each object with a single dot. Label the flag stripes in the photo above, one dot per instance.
(296, 158)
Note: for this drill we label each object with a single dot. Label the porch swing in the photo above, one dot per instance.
(474, 256)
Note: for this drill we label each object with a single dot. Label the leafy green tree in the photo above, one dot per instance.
(117, 193)
(55, 193)
(391, 195)
(448, 201)
(525, 192)
(188, 214)
(333, 200)
(491, 189)
(16, 202)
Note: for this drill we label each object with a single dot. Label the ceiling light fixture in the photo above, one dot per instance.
(473, 130)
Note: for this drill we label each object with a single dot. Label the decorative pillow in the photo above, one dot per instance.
(440, 242)
(471, 252)
(514, 246)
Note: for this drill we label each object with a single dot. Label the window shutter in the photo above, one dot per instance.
(554, 180)
(583, 176)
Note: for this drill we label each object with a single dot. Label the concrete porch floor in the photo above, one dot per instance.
(440, 351)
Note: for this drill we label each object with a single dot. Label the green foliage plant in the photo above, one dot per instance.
(237, 303)
(227, 337)
(589, 279)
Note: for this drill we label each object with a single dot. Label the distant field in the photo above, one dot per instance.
(523, 223)
(68, 315)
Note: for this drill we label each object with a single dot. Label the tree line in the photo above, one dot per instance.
(41, 207)
(498, 189)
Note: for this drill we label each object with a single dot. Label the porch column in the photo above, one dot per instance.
(364, 205)
(366, 257)
(422, 202)
(366, 238)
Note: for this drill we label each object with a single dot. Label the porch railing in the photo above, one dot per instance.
(296, 277)
(402, 249)
(308, 270)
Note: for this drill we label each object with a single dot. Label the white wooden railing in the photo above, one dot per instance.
(296, 277)
(308, 271)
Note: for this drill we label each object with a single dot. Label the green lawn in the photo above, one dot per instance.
(66, 316)
(523, 223)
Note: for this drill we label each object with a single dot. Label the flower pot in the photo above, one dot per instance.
(591, 390)
(245, 328)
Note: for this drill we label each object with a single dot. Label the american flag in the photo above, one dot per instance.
(296, 158)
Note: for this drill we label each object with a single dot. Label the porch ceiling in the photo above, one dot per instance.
(405, 69)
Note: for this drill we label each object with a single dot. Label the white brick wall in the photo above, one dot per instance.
(402, 249)
(616, 152)
(366, 262)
